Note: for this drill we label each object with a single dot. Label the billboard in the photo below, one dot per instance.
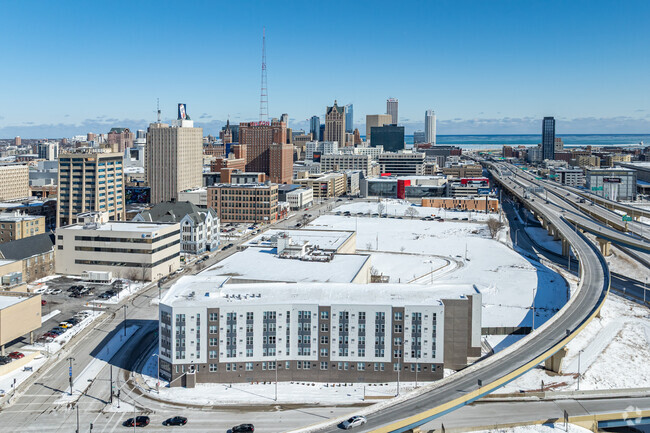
(316, 157)
(182, 113)
(483, 191)
(612, 179)
(137, 194)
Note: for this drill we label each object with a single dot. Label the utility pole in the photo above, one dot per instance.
(77, 406)
(124, 307)
(276, 380)
(111, 369)
(70, 374)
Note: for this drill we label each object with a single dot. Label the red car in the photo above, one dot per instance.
(16, 355)
(43, 302)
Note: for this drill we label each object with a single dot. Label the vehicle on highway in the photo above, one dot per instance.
(355, 421)
(177, 420)
(140, 421)
(243, 428)
(16, 355)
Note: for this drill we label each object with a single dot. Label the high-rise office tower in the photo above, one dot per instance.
(102, 178)
(419, 137)
(120, 139)
(376, 120)
(174, 157)
(17, 141)
(391, 108)
(349, 118)
(335, 124)
(48, 150)
(281, 162)
(430, 127)
(314, 128)
(258, 138)
(285, 118)
(548, 138)
(391, 137)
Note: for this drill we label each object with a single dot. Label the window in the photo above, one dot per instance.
(213, 368)
(362, 352)
(398, 328)
(324, 315)
(249, 316)
(324, 339)
(323, 352)
(398, 315)
(397, 353)
(249, 353)
(361, 366)
(212, 354)
(249, 366)
(323, 365)
(324, 327)
(212, 341)
(213, 329)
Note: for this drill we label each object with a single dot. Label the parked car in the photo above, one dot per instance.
(243, 428)
(5, 360)
(16, 355)
(43, 302)
(355, 421)
(140, 421)
(55, 291)
(65, 325)
(177, 420)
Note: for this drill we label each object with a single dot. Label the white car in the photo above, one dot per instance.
(40, 290)
(355, 421)
(55, 292)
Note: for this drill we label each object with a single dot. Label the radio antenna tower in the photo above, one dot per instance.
(264, 97)
(158, 106)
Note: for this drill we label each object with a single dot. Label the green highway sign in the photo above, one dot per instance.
(596, 188)
(627, 218)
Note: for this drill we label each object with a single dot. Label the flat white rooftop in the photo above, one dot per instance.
(8, 301)
(214, 292)
(328, 240)
(261, 264)
(124, 226)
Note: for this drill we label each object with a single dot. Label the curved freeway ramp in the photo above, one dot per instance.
(482, 378)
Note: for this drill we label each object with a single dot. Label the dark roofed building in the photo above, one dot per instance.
(36, 253)
(199, 227)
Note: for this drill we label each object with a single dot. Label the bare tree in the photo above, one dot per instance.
(380, 208)
(402, 248)
(131, 274)
(494, 225)
(411, 212)
(374, 271)
(368, 246)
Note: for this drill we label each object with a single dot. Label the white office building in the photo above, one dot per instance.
(430, 127)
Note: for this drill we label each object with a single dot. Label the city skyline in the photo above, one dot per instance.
(466, 71)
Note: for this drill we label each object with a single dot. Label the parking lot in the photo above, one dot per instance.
(62, 301)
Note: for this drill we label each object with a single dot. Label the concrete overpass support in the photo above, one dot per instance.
(566, 248)
(554, 363)
(605, 247)
(556, 234)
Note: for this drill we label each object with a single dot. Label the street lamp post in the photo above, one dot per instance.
(124, 307)
(579, 353)
(534, 294)
(276, 380)
(157, 373)
(70, 373)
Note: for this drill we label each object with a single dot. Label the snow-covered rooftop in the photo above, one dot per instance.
(328, 240)
(214, 291)
(8, 301)
(262, 264)
(125, 226)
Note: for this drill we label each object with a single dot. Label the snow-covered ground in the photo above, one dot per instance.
(541, 428)
(613, 351)
(50, 315)
(505, 278)
(20, 374)
(131, 288)
(60, 341)
(397, 208)
(264, 393)
(84, 379)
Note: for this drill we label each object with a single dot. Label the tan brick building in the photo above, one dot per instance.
(281, 163)
(14, 181)
(335, 124)
(174, 159)
(258, 137)
(459, 171)
(244, 202)
(324, 185)
(16, 225)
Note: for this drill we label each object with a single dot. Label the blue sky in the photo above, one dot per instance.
(483, 66)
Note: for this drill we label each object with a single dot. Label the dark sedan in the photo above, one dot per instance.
(177, 420)
(243, 428)
(140, 421)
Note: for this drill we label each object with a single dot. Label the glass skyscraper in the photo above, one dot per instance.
(314, 128)
(548, 138)
(349, 118)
